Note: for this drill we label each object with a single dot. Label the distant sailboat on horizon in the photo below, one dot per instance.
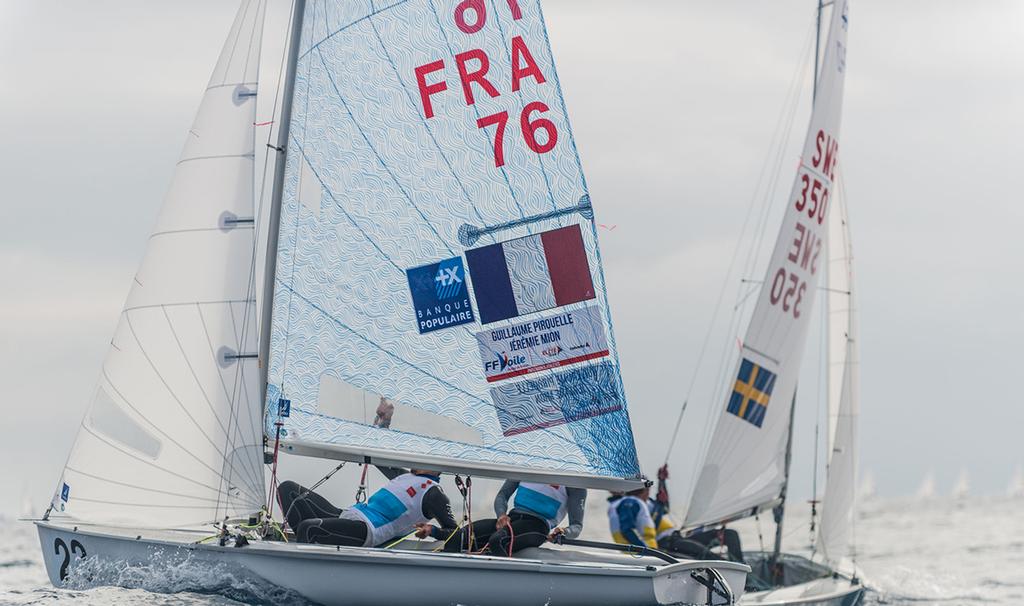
(28, 510)
(1015, 489)
(962, 488)
(927, 488)
(867, 486)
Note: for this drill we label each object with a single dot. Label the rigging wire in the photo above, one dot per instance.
(823, 362)
(783, 126)
(763, 194)
(848, 252)
(781, 142)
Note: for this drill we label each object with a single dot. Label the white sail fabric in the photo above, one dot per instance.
(744, 467)
(838, 508)
(173, 435)
(439, 295)
(841, 317)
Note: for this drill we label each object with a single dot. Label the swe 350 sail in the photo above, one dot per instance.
(744, 469)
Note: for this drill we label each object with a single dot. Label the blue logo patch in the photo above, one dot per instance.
(65, 493)
(284, 408)
(439, 295)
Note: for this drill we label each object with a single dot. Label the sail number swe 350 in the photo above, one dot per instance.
(539, 133)
(788, 288)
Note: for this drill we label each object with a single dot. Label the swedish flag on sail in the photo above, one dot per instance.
(751, 393)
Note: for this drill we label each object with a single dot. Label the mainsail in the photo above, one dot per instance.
(843, 391)
(744, 469)
(439, 299)
(172, 436)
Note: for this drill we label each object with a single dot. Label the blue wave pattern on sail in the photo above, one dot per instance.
(412, 120)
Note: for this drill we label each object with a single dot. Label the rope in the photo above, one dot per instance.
(411, 534)
(274, 494)
(466, 490)
(511, 539)
(760, 537)
(445, 542)
(469, 508)
(361, 492)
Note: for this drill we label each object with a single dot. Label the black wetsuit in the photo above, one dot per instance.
(528, 529)
(698, 544)
(315, 520)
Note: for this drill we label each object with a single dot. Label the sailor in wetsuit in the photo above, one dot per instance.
(696, 543)
(537, 510)
(406, 503)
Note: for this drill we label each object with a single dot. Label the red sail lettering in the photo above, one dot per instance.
(521, 53)
(830, 158)
(798, 241)
(479, 15)
(818, 141)
(479, 76)
(808, 246)
(517, 13)
(426, 90)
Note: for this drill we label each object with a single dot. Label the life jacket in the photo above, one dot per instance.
(546, 501)
(662, 523)
(641, 521)
(394, 510)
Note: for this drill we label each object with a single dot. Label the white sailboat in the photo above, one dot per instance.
(962, 488)
(746, 466)
(1015, 488)
(867, 486)
(428, 240)
(927, 490)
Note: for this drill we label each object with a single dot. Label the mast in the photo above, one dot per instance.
(779, 511)
(298, 9)
(817, 52)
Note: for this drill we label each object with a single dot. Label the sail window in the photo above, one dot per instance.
(343, 401)
(108, 418)
(310, 189)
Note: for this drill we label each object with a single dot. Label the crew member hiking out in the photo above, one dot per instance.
(698, 542)
(537, 511)
(404, 505)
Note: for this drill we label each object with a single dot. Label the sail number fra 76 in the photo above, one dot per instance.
(473, 66)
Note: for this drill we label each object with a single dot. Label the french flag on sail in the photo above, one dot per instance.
(530, 274)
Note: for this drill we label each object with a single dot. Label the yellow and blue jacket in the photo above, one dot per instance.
(630, 522)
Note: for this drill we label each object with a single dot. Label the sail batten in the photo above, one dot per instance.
(745, 465)
(434, 303)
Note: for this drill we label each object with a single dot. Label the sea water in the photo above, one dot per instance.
(920, 552)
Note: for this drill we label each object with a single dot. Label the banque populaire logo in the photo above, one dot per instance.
(440, 298)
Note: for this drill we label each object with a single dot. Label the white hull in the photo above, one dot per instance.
(330, 575)
(806, 584)
(821, 592)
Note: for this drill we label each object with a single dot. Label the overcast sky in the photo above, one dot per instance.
(673, 105)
